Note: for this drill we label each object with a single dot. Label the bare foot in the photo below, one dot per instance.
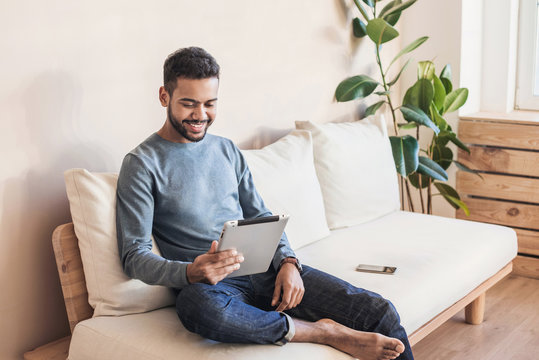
(359, 344)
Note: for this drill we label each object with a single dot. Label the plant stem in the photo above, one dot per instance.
(402, 191)
(429, 204)
(420, 179)
(421, 193)
(386, 89)
(410, 203)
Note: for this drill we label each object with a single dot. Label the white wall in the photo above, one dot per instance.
(79, 83)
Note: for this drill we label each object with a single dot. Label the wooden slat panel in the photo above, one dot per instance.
(69, 263)
(528, 241)
(501, 212)
(496, 134)
(526, 266)
(499, 186)
(501, 160)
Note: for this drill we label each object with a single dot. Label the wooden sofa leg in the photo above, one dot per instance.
(475, 311)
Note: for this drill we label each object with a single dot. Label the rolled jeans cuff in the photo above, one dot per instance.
(291, 331)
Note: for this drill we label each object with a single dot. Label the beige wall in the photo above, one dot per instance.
(79, 84)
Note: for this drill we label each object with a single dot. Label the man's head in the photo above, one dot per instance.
(191, 82)
(190, 63)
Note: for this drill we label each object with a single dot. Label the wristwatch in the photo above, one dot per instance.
(292, 260)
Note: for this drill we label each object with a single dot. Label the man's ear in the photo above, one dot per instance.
(164, 98)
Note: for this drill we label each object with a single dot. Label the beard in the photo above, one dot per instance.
(180, 127)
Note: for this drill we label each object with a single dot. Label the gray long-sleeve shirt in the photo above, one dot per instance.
(182, 194)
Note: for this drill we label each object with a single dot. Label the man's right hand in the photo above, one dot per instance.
(213, 266)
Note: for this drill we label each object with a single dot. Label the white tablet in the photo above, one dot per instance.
(256, 239)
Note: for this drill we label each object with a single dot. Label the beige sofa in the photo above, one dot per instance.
(337, 181)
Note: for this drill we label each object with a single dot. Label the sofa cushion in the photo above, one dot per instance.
(92, 200)
(160, 335)
(439, 260)
(355, 167)
(285, 177)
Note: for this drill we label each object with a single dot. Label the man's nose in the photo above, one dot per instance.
(200, 113)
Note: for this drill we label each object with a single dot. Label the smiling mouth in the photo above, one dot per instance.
(196, 122)
(196, 126)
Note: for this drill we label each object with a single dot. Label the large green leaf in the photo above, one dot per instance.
(452, 197)
(455, 140)
(461, 204)
(390, 5)
(355, 87)
(392, 82)
(371, 110)
(455, 99)
(380, 31)
(414, 114)
(464, 168)
(439, 92)
(396, 8)
(410, 47)
(437, 118)
(443, 156)
(430, 168)
(393, 18)
(405, 154)
(361, 10)
(360, 29)
(445, 77)
(446, 72)
(414, 180)
(420, 94)
(369, 2)
(408, 126)
(425, 70)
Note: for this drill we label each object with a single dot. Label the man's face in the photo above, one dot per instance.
(192, 107)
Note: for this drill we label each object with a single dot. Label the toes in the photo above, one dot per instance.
(399, 346)
(390, 354)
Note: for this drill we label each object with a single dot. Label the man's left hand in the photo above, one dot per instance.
(288, 288)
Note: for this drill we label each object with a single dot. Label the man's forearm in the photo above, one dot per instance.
(155, 270)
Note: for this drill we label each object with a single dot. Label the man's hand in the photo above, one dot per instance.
(213, 266)
(288, 288)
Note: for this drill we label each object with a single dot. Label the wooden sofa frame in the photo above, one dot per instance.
(69, 263)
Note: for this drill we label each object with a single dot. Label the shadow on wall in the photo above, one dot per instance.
(35, 203)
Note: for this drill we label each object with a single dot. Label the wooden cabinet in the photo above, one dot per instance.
(506, 152)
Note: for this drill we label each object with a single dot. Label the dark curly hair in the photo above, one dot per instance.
(191, 63)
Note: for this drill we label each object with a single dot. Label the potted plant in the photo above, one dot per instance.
(424, 105)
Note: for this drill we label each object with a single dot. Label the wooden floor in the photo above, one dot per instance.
(510, 330)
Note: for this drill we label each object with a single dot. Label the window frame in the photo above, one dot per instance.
(527, 54)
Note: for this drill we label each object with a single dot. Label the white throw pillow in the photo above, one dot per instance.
(285, 177)
(92, 200)
(355, 167)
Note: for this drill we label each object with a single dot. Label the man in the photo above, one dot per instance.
(181, 185)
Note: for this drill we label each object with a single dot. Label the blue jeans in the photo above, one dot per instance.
(238, 310)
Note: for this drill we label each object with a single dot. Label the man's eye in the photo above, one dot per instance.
(210, 105)
(188, 105)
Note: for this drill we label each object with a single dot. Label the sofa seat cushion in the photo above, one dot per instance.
(439, 260)
(160, 335)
